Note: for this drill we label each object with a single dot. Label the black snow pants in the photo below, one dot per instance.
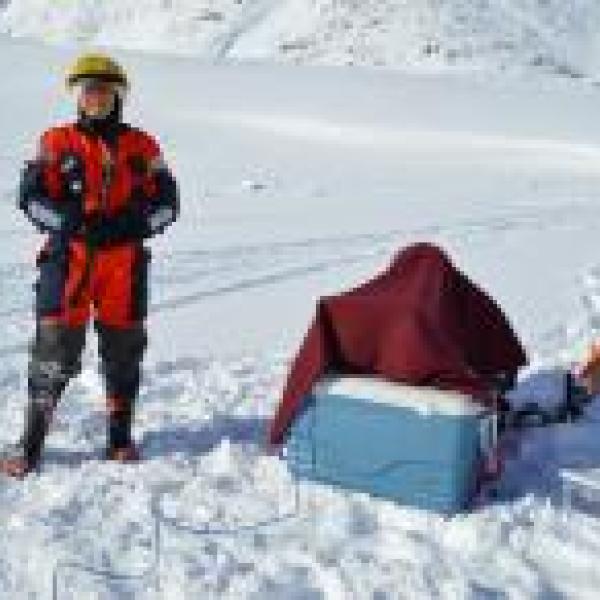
(55, 358)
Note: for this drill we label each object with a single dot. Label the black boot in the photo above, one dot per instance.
(37, 423)
(121, 352)
(25, 456)
(119, 442)
(54, 360)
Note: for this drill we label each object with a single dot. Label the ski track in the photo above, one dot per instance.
(226, 42)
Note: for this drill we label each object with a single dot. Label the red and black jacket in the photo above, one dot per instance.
(127, 187)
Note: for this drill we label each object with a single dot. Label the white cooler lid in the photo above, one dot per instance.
(424, 400)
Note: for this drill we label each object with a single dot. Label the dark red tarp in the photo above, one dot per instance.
(420, 322)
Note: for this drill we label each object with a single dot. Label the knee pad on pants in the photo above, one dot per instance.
(121, 353)
(55, 358)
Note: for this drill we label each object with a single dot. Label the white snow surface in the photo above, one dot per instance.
(297, 183)
(561, 36)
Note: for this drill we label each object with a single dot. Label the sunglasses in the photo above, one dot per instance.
(97, 86)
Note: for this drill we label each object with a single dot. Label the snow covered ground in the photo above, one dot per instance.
(558, 36)
(297, 183)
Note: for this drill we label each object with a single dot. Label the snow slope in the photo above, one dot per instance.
(555, 35)
(298, 183)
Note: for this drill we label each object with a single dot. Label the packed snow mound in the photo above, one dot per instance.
(558, 35)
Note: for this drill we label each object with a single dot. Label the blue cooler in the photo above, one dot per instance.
(417, 446)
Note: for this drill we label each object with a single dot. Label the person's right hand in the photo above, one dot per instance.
(72, 217)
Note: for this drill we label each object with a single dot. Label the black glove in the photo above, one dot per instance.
(129, 224)
(72, 218)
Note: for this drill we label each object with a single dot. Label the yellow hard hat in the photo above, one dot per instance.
(96, 66)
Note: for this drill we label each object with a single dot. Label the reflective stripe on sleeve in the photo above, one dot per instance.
(161, 218)
(44, 215)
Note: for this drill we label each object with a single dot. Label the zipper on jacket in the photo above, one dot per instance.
(108, 172)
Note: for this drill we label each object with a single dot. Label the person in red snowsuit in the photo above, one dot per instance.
(98, 187)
